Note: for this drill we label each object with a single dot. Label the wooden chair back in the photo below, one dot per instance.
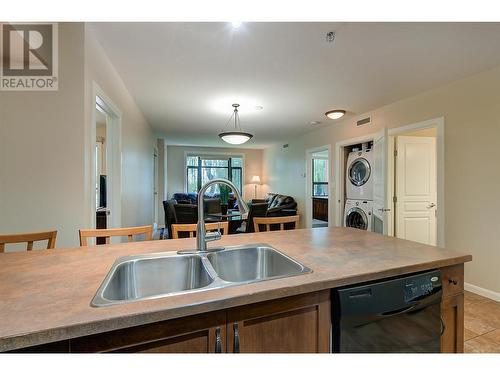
(256, 210)
(115, 232)
(191, 228)
(281, 220)
(29, 238)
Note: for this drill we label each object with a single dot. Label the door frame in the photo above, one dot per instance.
(156, 185)
(339, 179)
(308, 202)
(437, 123)
(113, 156)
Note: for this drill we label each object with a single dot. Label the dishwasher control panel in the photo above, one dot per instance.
(420, 286)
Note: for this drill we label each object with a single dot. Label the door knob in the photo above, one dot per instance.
(431, 205)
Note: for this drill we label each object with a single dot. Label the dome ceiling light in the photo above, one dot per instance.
(335, 114)
(236, 136)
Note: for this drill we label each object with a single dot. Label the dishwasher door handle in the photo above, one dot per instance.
(398, 311)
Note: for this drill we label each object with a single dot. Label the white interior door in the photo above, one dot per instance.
(416, 189)
(381, 207)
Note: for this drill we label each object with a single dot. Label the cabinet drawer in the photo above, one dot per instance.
(453, 280)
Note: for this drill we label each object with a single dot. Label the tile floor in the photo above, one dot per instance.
(482, 324)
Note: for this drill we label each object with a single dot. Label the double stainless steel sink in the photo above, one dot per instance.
(148, 276)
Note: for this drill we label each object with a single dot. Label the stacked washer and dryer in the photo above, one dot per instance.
(359, 189)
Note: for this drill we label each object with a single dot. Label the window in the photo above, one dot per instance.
(320, 177)
(201, 169)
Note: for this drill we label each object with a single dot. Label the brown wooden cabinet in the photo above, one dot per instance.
(291, 325)
(320, 208)
(101, 222)
(452, 312)
(204, 333)
(298, 324)
(452, 309)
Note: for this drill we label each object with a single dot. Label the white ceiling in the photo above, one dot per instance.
(184, 76)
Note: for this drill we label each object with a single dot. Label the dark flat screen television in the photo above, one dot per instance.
(102, 190)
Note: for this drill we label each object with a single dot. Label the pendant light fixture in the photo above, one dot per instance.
(236, 136)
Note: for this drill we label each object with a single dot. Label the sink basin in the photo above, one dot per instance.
(148, 276)
(134, 278)
(255, 263)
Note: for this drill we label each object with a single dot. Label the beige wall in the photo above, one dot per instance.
(176, 173)
(137, 136)
(471, 110)
(41, 150)
(45, 147)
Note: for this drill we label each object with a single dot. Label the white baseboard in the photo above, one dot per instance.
(482, 292)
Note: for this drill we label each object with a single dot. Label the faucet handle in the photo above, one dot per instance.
(212, 236)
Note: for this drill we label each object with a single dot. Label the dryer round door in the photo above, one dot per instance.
(356, 218)
(359, 172)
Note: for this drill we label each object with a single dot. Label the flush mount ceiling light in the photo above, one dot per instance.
(335, 114)
(236, 136)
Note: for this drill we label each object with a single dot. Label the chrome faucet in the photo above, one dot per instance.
(202, 237)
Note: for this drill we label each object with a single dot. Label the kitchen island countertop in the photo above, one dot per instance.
(46, 295)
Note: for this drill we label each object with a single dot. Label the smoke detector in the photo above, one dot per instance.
(330, 36)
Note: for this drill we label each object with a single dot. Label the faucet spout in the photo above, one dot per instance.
(201, 233)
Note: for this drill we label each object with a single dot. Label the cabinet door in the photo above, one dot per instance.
(452, 309)
(320, 209)
(316, 209)
(452, 313)
(299, 324)
(203, 333)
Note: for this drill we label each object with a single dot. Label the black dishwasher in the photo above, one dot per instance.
(400, 315)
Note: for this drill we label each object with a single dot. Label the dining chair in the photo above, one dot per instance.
(186, 213)
(256, 210)
(170, 217)
(281, 220)
(29, 238)
(130, 232)
(191, 228)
